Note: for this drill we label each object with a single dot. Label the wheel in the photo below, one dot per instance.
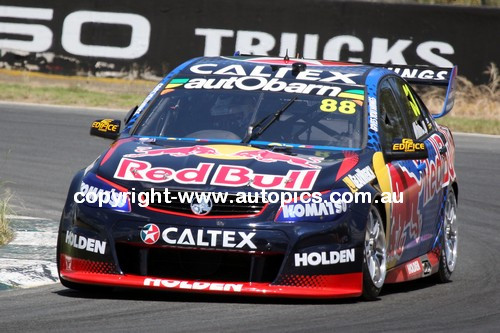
(374, 265)
(448, 257)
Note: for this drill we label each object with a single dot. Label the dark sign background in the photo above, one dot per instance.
(472, 32)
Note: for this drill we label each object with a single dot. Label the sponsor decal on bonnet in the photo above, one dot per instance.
(225, 175)
(229, 152)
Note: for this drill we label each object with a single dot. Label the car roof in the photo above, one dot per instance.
(326, 71)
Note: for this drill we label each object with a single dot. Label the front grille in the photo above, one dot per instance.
(198, 264)
(228, 208)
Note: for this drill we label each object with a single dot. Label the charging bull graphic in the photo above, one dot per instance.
(235, 152)
(267, 156)
(406, 224)
(176, 152)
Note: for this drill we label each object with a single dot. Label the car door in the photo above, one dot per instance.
(423, 129)
(405, 177)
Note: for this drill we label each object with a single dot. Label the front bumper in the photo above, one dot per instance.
(312, 286)
(303, 260)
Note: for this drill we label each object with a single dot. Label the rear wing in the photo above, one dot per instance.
(436, 76)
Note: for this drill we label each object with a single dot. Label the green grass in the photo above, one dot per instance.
(468, 125)
(72, 95)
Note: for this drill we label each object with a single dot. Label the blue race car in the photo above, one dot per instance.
(314, 132)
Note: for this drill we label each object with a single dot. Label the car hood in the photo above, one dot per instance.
(146, 163)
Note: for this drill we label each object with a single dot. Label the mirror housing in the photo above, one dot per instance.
(106, 128)
(406, 149)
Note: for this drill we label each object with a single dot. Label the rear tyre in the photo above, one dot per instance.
(375, 256)
(449, 240)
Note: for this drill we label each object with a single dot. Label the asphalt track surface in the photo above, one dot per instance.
(48, 145)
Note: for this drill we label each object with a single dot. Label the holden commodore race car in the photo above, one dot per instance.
(316, 133)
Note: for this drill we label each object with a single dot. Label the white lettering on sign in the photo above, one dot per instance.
(139, 40)
(42, 36)
(380, 49)
(245, 41)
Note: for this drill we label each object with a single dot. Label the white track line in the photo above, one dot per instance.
(35, 238)
(55, 106)
(21, 217)
(492, 136)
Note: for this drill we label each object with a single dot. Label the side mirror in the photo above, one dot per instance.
(406, 149)
(106, 128)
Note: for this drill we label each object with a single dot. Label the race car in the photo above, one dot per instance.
(219, 139)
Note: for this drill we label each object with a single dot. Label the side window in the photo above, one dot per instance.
(419, 124)
(391, 119)
(426, 114)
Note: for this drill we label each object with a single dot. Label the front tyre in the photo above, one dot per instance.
(448, 258)
(375, 255)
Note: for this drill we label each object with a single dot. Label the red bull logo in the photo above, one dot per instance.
(449, 157)
(435, 168)
(225, 175)
(421, 188)
(231, 152)
(406, 224)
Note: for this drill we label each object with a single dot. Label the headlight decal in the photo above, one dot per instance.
(96, 191)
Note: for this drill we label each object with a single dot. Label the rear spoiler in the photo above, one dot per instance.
(436, 76)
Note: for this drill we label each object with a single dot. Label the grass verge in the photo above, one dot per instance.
(468, 125)
(6, 232)
(477, 107)
(72, 95)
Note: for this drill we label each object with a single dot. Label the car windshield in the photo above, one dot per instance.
(219, 114)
